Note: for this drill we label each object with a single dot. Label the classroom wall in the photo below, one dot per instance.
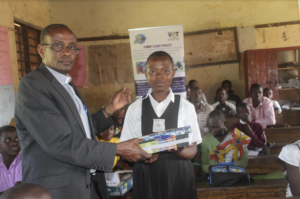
(104, 18)
(35, 13)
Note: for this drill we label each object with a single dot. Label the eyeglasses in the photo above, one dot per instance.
(59, 47)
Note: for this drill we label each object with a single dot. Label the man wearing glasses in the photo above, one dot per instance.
(56, 131)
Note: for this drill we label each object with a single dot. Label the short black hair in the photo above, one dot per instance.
(22, 190)
(220, 89)
(241, 105)
(255, 86)
(7, 128)
(217, 113)
(226, 82)
(46, 30)
(191, 82)
(266, 89)
(195, 88)
(161, 54)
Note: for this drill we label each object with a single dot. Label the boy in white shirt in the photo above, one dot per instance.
(269, 94)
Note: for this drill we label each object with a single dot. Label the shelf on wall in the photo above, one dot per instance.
(289, 68)
(285, 89)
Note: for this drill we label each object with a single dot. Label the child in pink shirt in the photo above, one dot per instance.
(10, 158)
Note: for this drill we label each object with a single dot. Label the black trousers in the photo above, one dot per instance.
(94, 192)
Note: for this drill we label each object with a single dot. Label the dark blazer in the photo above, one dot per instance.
(56, 153)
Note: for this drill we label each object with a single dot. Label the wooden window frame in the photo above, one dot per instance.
(24, 45)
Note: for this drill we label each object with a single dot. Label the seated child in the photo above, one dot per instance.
(269, 94)
(193, 83)
(107, 136)
(202, 108)
(232, 98)
(253, 129)
(226, 107)
(118, 119)
(290, 157)
(217, 146)
(10, 158)
(26, 191)
(261, 107)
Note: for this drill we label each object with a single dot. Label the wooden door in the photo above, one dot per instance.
(261, 67)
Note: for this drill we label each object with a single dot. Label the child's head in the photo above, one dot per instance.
(119, 114)
(196, 95)
(9, 141)
(227, 85)
(160, 71)
(256, 93)
(243, 112)
(26, 191)
(193, 83)
(108, 134)
(268, 93)
(216, 122)
(221, 95)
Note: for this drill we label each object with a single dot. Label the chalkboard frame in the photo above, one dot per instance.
(238, 55)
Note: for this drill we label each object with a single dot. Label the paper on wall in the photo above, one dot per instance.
(7, 104)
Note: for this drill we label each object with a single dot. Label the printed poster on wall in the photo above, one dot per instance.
(144, 41)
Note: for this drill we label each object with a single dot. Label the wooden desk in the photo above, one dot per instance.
(258, 165)
(291, 134)
(259, 189)
(282, 137)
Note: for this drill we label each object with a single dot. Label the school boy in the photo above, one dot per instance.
(10, 158)
(220, 139)
(166, 175)
(26, 191)
(118, 119)
(193, 83)
(226, 107)
(269, 94)
(232, 97)
(202, 109)
(251, 128)
(108, 136)
(261, 107)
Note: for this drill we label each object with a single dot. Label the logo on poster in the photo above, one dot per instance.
(173, 35)
(140, 39)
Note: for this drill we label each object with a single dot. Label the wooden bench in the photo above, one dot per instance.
(258, 189)
(282, 137)
(259, 165)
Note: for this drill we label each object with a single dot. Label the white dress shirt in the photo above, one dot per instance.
(186, 116)
(291, 155)
(232, 106)
(276, 105)
(64, 80)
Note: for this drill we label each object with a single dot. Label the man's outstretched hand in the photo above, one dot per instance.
(119, 100)
(130, 150)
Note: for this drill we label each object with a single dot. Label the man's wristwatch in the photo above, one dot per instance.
(106, 111)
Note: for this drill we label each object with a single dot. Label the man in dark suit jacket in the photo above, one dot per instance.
(56, 132)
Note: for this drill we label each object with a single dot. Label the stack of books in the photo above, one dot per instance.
(167, 140)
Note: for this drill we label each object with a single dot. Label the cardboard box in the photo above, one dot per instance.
(122, 189)
(119, 182)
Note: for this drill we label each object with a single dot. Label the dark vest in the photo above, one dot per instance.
(148, 114)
